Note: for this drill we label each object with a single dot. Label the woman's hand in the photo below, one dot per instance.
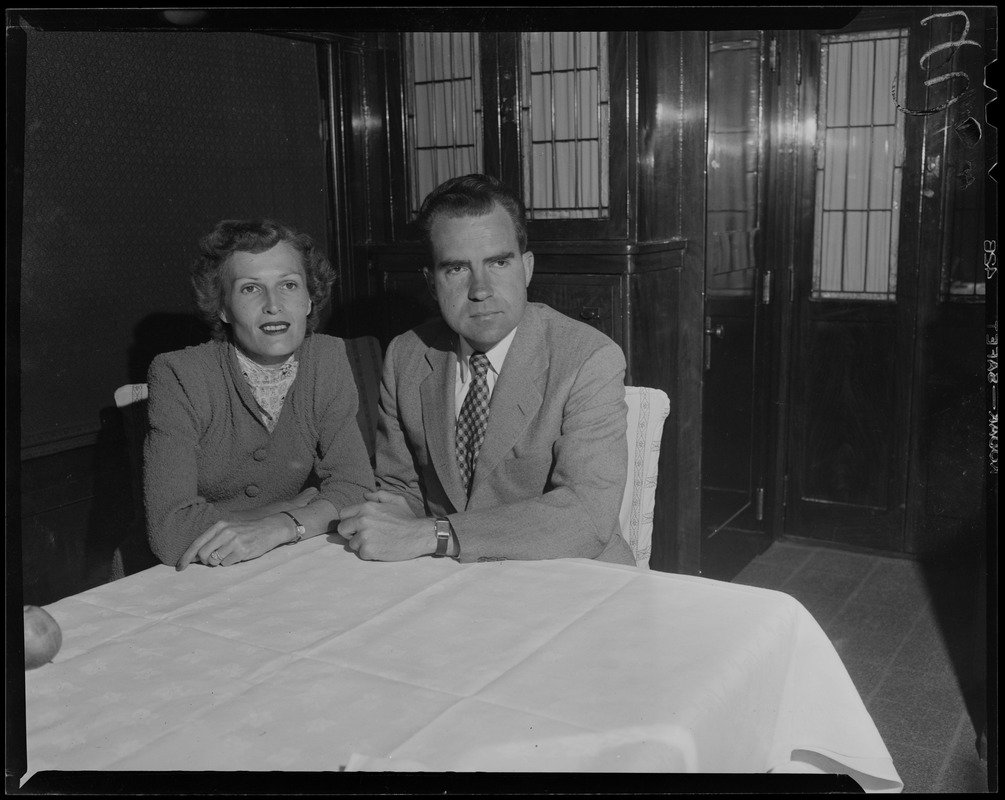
(232, 541)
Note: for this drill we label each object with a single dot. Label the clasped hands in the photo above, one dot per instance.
(384, 528)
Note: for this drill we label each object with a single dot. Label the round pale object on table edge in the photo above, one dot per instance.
(42, 637)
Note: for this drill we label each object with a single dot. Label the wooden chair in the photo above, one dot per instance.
(647, 412)
(367, 360)
(132, 553)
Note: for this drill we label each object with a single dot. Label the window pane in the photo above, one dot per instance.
(444, 109)
(860, 140)
(565, 124)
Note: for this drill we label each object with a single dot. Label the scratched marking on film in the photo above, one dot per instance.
(991, 340)
(953, 46)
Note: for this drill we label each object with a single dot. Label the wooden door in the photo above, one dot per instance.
(886, 281)
(853, 289)
(737, 299)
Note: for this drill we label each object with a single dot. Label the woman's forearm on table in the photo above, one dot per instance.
(261, 512)
(319, 516)
(278, 521)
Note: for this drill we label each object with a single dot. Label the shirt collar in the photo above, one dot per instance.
(497, 353)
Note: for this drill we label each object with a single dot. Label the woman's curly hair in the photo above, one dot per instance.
(254, 236)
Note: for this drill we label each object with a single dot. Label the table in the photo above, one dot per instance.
(310, 659)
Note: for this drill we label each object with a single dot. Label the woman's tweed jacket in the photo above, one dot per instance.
(207, 451)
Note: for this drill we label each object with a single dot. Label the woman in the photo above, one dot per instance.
(253, 441)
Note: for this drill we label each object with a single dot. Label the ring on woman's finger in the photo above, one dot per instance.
(215, 556)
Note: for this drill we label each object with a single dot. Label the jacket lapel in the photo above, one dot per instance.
(438, 414)
(517, 396)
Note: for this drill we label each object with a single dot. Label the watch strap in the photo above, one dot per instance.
(442, 528)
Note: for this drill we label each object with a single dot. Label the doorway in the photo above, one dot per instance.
(842, 279)
(854, 302)
(737, 300)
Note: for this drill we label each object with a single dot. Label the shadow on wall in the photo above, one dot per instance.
(162, 333)
(956, 579)
(116, 531)
(955, 558)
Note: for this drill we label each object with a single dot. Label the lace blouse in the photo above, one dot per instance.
(269, 385)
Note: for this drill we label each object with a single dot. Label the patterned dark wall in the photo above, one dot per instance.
(135, 145)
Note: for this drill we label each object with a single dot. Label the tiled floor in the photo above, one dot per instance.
(907, 635)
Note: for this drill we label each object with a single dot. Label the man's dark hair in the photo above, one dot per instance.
(472, 196)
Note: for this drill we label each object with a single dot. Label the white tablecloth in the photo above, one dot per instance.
(309, 659)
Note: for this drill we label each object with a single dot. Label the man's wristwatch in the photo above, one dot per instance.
(301, 530)
(442, 528)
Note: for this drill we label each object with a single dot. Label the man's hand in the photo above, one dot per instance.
(385, 529)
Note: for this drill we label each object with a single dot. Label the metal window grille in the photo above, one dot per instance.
(565, 125)
(444, 107)
(860, 159)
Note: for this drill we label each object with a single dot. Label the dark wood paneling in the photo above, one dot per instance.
(385, 120)
(500, 68)
(950, 476)
(691, 303)
(593, 299)
(57, 480)
(57, 558)
(77, 506)
(344, 84)
(849, 415)
(653, 331)
(727, 395)
(405, 303)
(653, 321)
(662, 97)
(585, 256)
(493, 96)
(788, 160)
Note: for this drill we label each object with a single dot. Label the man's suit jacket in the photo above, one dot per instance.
(551, 471)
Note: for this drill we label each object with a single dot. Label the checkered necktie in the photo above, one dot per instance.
(473, 418)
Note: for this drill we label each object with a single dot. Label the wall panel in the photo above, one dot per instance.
(135, 145)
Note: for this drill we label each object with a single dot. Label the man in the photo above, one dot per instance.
(502, 426)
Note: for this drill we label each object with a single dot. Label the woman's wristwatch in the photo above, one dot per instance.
(301, 530)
